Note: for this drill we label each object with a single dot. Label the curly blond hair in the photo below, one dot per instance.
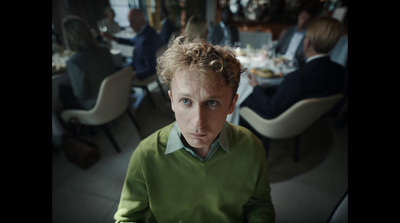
(210, 62)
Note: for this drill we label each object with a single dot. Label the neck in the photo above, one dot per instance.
(201, 152)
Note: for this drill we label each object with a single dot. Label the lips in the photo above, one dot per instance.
(197, 135)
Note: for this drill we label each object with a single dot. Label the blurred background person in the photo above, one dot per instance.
(146, 42)
(57, 45)
(87, 67)
(108, 24)
(223, 33)
(196, 26)
(290, 43)
(167, 27)
(319, 77)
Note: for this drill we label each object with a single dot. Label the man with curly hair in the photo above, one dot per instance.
(199, 168)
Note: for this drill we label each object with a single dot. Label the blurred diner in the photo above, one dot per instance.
(87, 67)
(224, 33)
(195, 27)
(146, 42)
(319, 77)
(107, 24)
(167, 26)
(290, 43)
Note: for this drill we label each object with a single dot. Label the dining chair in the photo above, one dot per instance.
(340, 213)
(144, 83)
(292, 122)
(112, 101)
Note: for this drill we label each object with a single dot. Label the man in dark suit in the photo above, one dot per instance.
(319, 77)
(146, 42)
(167, 27)
(223, 33)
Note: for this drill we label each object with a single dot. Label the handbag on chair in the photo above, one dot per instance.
(78, 150)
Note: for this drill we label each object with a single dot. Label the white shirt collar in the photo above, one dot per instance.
(222, 24)
(316, 56)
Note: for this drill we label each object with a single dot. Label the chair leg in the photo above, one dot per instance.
(162, 90)
(110, 136)
(132, 119)
(296, 148)
(151, 98)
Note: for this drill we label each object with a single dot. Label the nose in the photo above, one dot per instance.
(199, 117)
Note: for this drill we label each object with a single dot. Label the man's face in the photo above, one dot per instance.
(135, 20)
(303, 19)
(200, 108)
(135, 25)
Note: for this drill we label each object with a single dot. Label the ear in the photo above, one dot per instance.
(170, 97)
(306, 43)
(233, 104)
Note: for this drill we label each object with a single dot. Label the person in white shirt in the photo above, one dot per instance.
(290, 45)
(224, 33)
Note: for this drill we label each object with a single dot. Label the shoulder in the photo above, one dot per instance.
(154, 143)
(150, 35)
(242, 138)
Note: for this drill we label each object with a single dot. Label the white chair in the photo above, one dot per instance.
(112, 101)
(150, 79)
(341, 213)
(293, 121)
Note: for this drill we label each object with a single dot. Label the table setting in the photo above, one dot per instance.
(59, 60)
(268, 68)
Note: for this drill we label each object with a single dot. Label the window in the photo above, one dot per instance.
(122, 7)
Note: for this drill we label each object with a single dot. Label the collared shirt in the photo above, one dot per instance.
(141, 29)
(227, 35)
(163, 21)
(316, 56)
(175, 143)
(293, 45)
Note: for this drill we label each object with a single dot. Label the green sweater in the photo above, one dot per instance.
(177, 187)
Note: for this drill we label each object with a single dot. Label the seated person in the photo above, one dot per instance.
(199, 168)
(167, 27)
(87, 67)
(223, 33)
(290, 45)
(146, 42)
(108, 22)
(319, 77)
(196, 27)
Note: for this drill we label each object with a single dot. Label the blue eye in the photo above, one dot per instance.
(212, 103)
(185, 101)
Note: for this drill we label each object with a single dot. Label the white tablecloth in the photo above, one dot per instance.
(245, 89)
(126, 50)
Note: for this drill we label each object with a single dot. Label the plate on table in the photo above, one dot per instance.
(265, 73)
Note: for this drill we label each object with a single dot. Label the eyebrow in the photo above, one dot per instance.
(189, 96)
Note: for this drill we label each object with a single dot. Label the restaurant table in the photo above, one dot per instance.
(256, 58)
(126, 50)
